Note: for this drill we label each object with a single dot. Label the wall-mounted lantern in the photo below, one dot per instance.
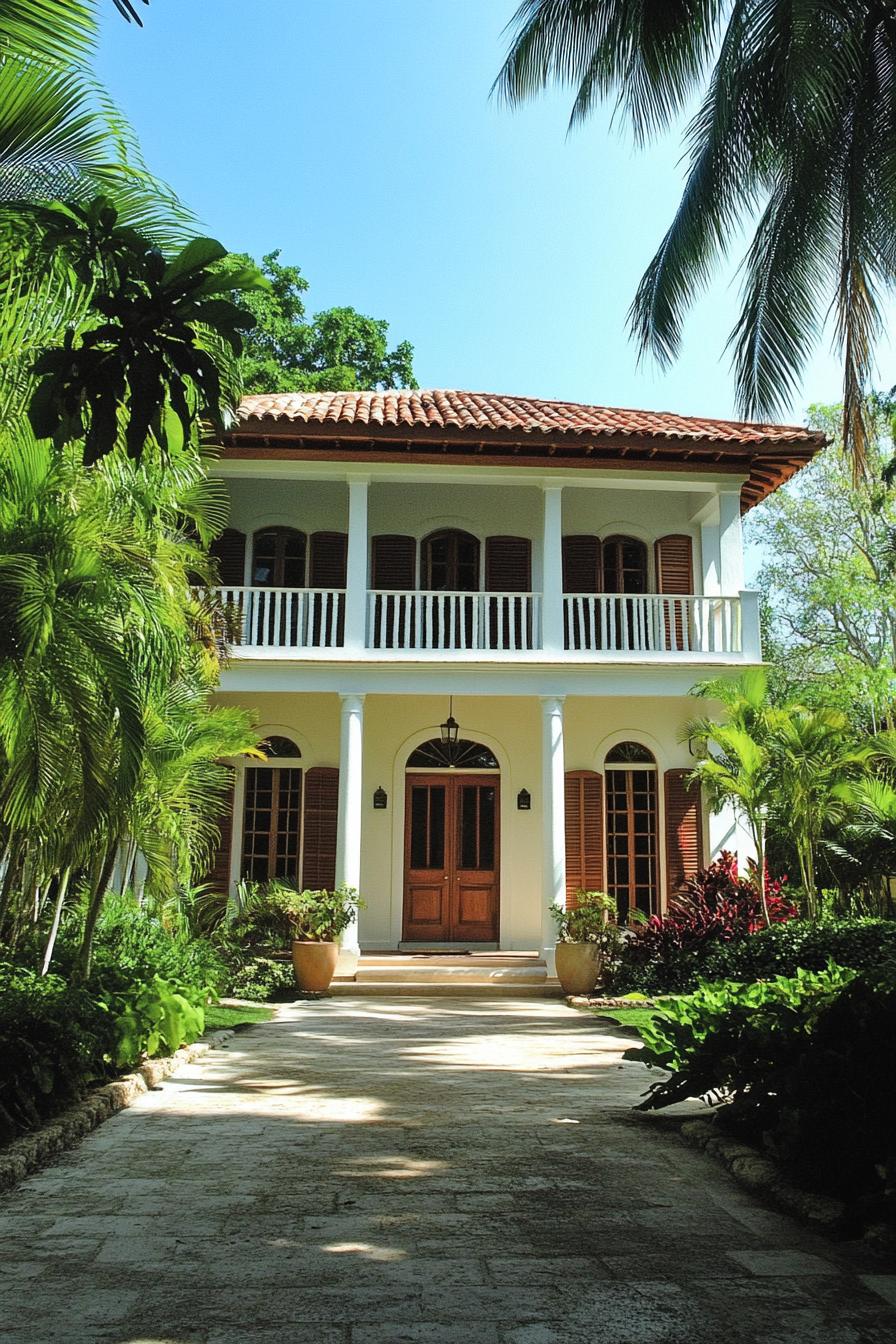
(524, 800)
(380, 798)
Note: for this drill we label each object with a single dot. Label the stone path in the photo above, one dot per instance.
(453, 1171)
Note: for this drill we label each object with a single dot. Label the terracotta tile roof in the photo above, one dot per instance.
(485, 411)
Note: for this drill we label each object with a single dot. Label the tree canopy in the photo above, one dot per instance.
(830, 578)
(338, 349)
(794, 135)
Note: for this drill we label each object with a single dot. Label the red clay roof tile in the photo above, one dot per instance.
(478, 411)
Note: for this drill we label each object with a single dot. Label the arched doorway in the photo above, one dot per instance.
(451, 859)
(272, 813)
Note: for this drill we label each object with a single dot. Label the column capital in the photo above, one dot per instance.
(548, 485)
(552, 701)
(352, 699)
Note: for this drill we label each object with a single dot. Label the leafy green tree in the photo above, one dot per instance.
(830, 581)
(336, 350)
(794, 133)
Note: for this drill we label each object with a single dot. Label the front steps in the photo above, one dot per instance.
(502, 974)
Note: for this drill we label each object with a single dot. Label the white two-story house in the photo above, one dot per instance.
(469, 625)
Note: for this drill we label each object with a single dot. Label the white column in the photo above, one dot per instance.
(731, 544)
(348, 826)
(356, 565)
(554, 821)
(709, 552)
(552, 569)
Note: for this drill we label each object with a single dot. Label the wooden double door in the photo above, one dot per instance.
(451, 858)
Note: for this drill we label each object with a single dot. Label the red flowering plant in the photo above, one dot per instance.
(665, 952)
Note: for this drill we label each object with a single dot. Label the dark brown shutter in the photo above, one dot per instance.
(684, 830)
(582, 565)
(393, 563)
(230, 552)
(508, 564)
(328, 555)
(219, 873)
(584, 833)
(674, 565)
(319, 828)
(675, 575)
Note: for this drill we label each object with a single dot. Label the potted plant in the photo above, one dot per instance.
(318, 918)
(586, 938)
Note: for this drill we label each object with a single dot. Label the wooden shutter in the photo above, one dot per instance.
(394, 563)
(508, 564)
(219, 873)
(328, 556)
(675, 575)
(684, 830)
(584, 833)
(582, 570)
(230, 552)
(508, 569)
(319, 828)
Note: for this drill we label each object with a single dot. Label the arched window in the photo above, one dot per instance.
(631, 815)
(450, 562)
(464, 754)
(275, 747)
(278, 558)
(624, 565)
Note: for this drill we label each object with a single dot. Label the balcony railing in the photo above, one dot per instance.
(287, 618)
(652, 623)
(491, 622)
(599, 626)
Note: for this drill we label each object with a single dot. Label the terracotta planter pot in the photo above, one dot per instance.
(314, 965)
(578, 966)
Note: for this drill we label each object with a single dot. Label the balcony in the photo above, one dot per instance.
(509, 627)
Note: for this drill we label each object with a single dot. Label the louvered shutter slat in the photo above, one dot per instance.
(328, 556)
(584, 833)
(229, 549)
(508, 564)
(581, 564)
(675, 576)
(319, 828)
(393, 563)
(684, 830)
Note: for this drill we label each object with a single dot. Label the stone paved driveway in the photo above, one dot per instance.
(453, 1171)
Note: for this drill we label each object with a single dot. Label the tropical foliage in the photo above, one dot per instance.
(793, 137)
(806, 1066)
(336, 350)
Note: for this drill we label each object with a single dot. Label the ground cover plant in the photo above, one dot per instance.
(805, 1066)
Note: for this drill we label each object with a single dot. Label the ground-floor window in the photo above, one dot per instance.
(631, 815)
(272, 815)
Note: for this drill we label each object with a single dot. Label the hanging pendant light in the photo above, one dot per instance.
(449, 729)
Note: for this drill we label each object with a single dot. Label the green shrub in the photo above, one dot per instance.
(807, 1065)
(863, 944)
(262, 978)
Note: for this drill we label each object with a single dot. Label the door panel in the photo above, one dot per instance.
(451, 859)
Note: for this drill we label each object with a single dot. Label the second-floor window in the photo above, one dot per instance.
(278, 558)
(451, 562)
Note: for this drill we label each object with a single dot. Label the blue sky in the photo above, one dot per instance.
(358, 137)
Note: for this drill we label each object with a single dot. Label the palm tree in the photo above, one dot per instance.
(795, 130)
(814, 757)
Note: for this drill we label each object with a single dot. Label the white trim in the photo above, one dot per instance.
(430, 473)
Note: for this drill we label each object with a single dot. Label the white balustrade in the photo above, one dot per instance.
(490, 622)
(601, 624)
(287, 618)
(652, 623)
